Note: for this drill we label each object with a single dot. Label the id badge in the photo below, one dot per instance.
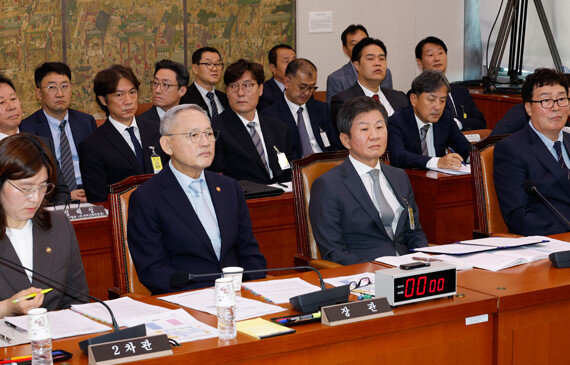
(156, 164)
(411, 216)
(282, 159)
(325, 139)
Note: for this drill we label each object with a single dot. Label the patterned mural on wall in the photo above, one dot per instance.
(90, 35)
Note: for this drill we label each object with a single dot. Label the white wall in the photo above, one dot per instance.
(400, 24)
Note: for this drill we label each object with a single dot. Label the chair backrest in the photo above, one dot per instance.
(143, 107)
(305, 172)
(124, 274)
(320, 96)
(488, 217)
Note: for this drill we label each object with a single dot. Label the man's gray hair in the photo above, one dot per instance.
(169, 117)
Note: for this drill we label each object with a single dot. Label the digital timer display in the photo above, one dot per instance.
(424, 285)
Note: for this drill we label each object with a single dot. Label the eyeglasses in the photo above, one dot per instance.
(246, 86)
(28, 192)
(362, 282)
(549, 103)
(121, 95)
(52, 89)
(305, 88)
(211, 65)
(196, 137)
(162, 85)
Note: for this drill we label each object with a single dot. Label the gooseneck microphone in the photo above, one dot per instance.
(305, 303)
(531, 189)
(116, 335)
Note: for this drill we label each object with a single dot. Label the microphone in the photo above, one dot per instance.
(116, 335)
(305, 303)
(531, 189)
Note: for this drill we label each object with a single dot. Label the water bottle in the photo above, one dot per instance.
(225, 299)
(39, 333)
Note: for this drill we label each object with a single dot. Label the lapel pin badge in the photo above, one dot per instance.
(218, 188)
(48, 249)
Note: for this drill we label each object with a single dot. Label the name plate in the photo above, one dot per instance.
(82, 213)
(361, 310)
(134, 349)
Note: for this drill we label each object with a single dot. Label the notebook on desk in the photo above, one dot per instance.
(254, 190)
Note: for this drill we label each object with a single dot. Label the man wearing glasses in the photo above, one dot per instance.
(309, 120)
(252, 146)
(187, 218)
(62, 127)
(207, 67)
(123, 145)
(536, 159)
(168, 86)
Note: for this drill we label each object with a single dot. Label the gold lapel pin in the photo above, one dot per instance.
(48, 249)
(218, 188)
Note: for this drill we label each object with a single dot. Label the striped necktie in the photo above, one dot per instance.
(66, 160)
(257, 143)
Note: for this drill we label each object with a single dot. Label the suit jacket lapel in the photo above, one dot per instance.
(177, 199)
(43, 256)
(410, 119)
(147, 140)
(75, 128)
(539, 149)
(117, 141)
(15, 277)
(314, 117)
(195, 95)
(241, 134)
(216, 194)
(43, 128)
(399, 193)
(269, 139)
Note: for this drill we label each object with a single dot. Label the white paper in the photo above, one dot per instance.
(286, 186)
(203, 300)
(125, 309)
(403, 259)
(345, 280)
(552, 246)
(281, 290)
(320, 21)
(464, 170)
(64, 323)
(178, 325)
(503, 242)
(454, 249)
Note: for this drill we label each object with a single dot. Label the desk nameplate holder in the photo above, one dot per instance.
(361, 310)
(134, 349)
(83, 213)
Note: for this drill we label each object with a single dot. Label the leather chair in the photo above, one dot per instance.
(488, 218)
(125, 276)
(305, 171)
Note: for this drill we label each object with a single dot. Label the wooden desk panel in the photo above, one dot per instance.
(445, 203)
(493, 106)
(432, 332)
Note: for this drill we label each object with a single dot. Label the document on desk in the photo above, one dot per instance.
(125, 309)
(464, 170)
(281, 290)
(178, 325)
(286, 186)
(490, 260)
(505, 242)
(63, 323)
(454, 249)
(203, 300)
(551, 246)
(345, 280)
(402, 259)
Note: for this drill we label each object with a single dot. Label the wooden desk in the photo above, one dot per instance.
(533, 313)
(493, 106)
(445, 203)
(428, 333)
(273, 227)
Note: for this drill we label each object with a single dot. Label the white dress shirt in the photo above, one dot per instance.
(260, 133)
(432, 163)
(294, 109)
(53, 124)
(160, 112)
(203, 92)
(385, 103)
(363, 171)
(2, 135)
(23, 242)
(550, 144)
(125, 134)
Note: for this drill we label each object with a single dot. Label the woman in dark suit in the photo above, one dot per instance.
(30, 235)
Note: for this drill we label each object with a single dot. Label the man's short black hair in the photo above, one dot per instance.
(357, 50)
(432, 40)
(236, 70)
(46, 68)
(272, 55)
(107, 80)
(182, 76)
(542, 77)
(429, 81)
(355, 106)
(352, 29)
(301, 64)
(197, 55)
(7, 81)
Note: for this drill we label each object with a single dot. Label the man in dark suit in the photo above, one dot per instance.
(309, 120)
(168, 86)
(423, 133)
(537, 156)
(369, 59)
(62, 127)
(124, 145)
(207, 68)
(364, 209)
(187, 218)
(346, 76)
(513, 121)
(431, 54)
(279, 57)
(251, 146)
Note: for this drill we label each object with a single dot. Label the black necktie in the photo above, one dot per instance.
(66, 160)
(558, 149)
(137, 145)
(210, 96)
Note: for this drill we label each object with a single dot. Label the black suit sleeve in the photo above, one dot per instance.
(93, 173)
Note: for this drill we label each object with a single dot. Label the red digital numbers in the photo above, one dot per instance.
(434, 285)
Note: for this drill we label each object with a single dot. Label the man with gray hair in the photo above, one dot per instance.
(424, 134)
(364, 209)
(187, 218)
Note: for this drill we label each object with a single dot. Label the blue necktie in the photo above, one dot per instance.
(138, 148)
(210, 96)
(205, 215)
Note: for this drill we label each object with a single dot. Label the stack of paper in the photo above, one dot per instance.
(262, 328)
(280, 291)
(464, 170)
